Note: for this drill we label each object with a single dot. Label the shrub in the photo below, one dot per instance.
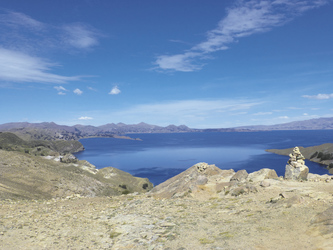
(320, 154)
(326, 156)
(314, 155)
(125, 192)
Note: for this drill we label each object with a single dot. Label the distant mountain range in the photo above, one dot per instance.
(313, 124)
(53, 131)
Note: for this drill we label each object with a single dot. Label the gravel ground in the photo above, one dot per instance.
(277, 217)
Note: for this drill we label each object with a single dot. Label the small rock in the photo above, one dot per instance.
(202, 180)
(265, 183)
(284, 195)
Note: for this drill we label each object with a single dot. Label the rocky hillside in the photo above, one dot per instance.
(11, 142)
(52, 131)
(322, 154)
(202, 208)
(25, 176)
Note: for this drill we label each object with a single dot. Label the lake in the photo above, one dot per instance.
(162, 156)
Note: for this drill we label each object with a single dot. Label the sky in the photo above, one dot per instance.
(204, 64)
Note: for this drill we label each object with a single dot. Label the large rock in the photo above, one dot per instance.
(262, 174)
(241, 175)
(296, 173)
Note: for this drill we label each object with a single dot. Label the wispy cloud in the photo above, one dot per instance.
(263, 113)
(196, 113)
(60, 90)
(319, 96)
(17, 20)
(114, 91)
(244, 19)
(80, 36)
(27, 34)
(85, 118)
(24, 38)
(91, 88)
(78, 92)
(19, 67)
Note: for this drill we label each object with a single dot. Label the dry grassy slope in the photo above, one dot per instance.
(12, 142)
(33, 177)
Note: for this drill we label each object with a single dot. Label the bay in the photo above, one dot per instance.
(159, 157)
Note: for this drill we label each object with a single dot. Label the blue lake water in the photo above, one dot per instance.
(162, 156)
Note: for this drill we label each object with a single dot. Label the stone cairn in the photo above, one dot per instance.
(296, 169)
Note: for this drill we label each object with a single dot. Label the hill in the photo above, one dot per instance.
(312, 124)
(25, 176)
(11, 142)
(51, 131)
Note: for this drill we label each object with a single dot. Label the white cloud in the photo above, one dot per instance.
(181, 62)
(85, 118)
(60, 88)
(19, 67)
(16, 20)
(91, 88)
(27, 34)
(24, 37)
(245, 19)
(80, 36)
(319, 96)
(284, 117)
(263, 113)
(78, 92)
(196, 113)
(114, 91)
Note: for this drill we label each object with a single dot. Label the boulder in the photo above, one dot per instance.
(265, 183)
(262, 174)
(299, 172)
(240, 176)
(202, 180)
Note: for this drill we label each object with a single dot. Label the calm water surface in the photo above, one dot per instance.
(162, 156)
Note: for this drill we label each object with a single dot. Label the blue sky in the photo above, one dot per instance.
(205, 64)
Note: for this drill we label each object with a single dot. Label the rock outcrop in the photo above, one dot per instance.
(222, 210)
(296, 169)
(68, 158)
(202, 181)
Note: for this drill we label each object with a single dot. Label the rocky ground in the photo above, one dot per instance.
(279, 215)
